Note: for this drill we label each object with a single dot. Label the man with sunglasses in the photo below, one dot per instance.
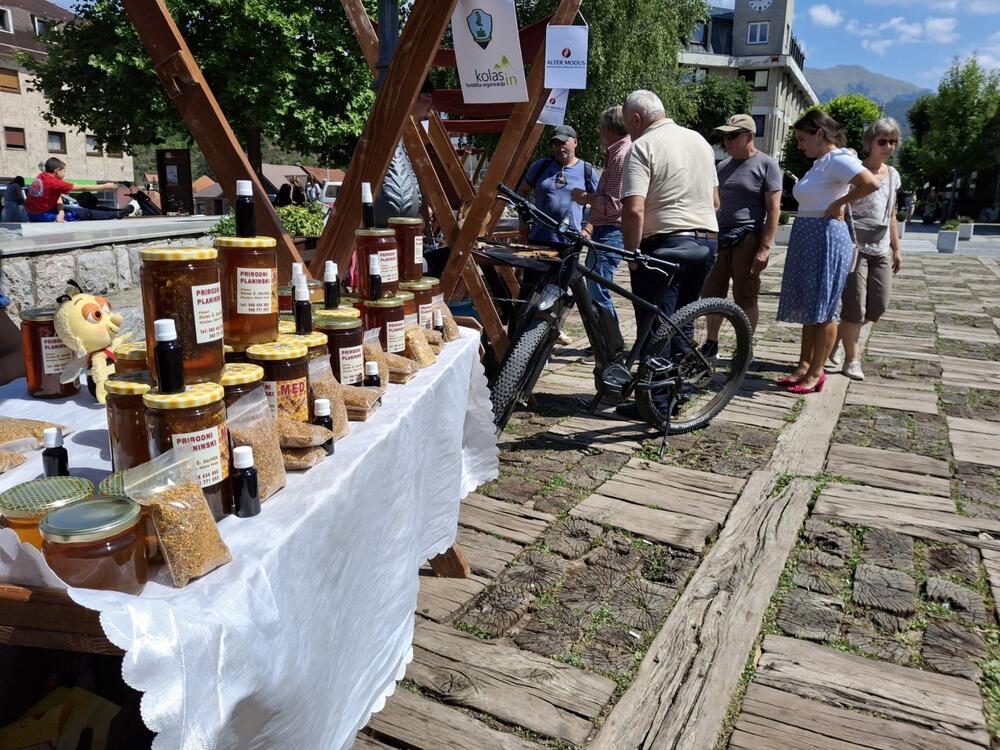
(749, 208)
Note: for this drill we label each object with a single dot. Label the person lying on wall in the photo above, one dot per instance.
(44, 198)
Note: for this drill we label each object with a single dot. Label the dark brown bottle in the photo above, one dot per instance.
(55, 460)
(321, 410)
(169, 357)
(372, 379)
(246, 487)
(246, 220)
(367, 206)
(302, 308)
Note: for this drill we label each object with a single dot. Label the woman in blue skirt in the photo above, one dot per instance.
(820, 250)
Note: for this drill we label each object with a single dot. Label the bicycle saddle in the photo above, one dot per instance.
(689, 252)
(510, 259)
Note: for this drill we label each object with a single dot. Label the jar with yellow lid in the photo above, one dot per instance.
(183, 284)
(45, 355)
(22, 506)
(131, 358)
(97, 544)
(380, 242)
(239, 378)
(384, 319)
(409, 308)
(248, 271)
(236, 354)
(196, 417)
(127, 419)
(286, 377)
(285, 301)
(436, 296)
(347, 359)
(410, 242)
(315, 342)
(422, 291)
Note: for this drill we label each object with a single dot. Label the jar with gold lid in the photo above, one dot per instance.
(380, 242)
(238, 379)
(195, 417)
(286, 377)
(97, 544)
(384, 319)
(436, 296)
(410, 316)
(410, 242)
(131, 358)
(22, 506)
(127, 419)
(315, 342)
(422, 291)
(248, 271)
(45, 355)
(344, 338)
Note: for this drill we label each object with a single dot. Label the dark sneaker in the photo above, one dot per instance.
(628, 410)
(710, 349)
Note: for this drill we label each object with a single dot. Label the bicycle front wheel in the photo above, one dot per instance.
(524, 359)
(705, 381)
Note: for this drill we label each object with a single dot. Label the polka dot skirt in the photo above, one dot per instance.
(819, 257)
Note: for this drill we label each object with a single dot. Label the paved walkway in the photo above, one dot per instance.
(815, 573)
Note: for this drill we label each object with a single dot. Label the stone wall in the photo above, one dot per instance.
(36, 280)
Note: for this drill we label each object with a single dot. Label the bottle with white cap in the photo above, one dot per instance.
(246, 488)
(374, 277)
(55, 460)
(321, 417)
(246, 221)
(331, 286)
(367, 206)
(302, 308)
(169, 357)
(439, 322)
(372, 379)
(296, 273)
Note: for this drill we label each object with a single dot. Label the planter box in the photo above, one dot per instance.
(947, 241)
(901, 228)
(783, 233)
(965, 231)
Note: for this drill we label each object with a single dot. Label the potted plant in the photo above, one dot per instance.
(901, 223)
(947, 239)
(784, 228)
(965, 227)
(303, 223)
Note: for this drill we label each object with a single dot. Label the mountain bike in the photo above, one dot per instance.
(678, 385)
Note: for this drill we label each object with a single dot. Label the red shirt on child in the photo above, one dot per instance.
(44, 193)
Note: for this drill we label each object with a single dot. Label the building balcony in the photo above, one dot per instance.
(795, 51)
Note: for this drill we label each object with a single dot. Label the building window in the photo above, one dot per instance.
(116, 154)
(759, 121)
(9, 81)
(757, 32)
(14, 138)
(6, 21)
(93, 145)
(57, 142)
(699, 74)
(42, 25)
(757, 79)
(699, 34)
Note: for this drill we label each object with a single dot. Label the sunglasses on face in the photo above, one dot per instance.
(734, 135)
(886, 141)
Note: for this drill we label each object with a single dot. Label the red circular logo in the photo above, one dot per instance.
(552, 100)
(567, 52)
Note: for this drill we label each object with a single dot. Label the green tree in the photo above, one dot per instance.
(712, 101)
(854, 112)
(282, 71)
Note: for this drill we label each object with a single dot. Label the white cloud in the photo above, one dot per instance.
(879, 37)
(878, 46)
(941, 30)
(982, 7)
(824, 15)
(989, 54)
(933, 4)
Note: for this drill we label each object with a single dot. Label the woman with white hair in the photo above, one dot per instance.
(866, 293)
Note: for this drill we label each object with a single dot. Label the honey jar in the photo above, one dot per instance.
(436, 295)
(131, 358)
(380, 242)
(235, 353)
(97, 544)
(286, 377)
(238, 379)
(315, 343)
(285, 301)
(196, 417)
(22, 506)
(248, 272)
(183, 284)
(423, 300)
(347, 358)
(384, 318)
(113, 485)
(127, 419)
(410, 243)
(409, 308)
(45, 355)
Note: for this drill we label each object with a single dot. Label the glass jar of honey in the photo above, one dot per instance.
(286, 303)
(97, 544)
(127, 419)
(45, 355)
(248, 272)
(22, 506)
(196, 417)
(409, 308)
(183, 284)
(238, 379)
(286, 377)
(436, 295)
(423, 300)
(410, 242)
(113, 485)
(380, 242)
(315, 343)
(236, 353)
(131, 358)
(385, 318)
(347, 359)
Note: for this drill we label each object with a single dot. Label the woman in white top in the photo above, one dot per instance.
(820, 249)
(866, 294)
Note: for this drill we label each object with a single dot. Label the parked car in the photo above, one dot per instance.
(329, 194)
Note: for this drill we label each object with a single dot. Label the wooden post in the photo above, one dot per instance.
(191, 94)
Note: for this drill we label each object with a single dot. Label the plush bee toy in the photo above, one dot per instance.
(87, 326)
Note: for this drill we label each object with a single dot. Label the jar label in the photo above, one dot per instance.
(55, 355)
(211, 449)
(427, 316)
(255, 291)
(207, 300)
(289, 397)
(437, 299)
(352, 360)
(418, 251)
(390, 268)
(395, 336)
(411, 320)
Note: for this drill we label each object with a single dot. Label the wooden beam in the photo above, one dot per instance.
(419, 41)
(191, 94)
(441, 141)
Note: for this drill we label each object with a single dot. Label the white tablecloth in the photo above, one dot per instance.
(298, 640)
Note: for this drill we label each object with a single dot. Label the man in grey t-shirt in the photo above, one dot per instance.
(749, 207)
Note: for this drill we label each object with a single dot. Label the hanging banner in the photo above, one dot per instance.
(488, 51)
(554, 110)
(566, 57)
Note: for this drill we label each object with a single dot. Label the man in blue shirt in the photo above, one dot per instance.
(552, 181)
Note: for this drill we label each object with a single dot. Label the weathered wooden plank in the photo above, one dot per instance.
(750, 418)
(510, 521)
(519, 687)
(911, 463)
(422, 724)
(890, 498)
(951, 706)
(364, 742)
(656, 525)
(686, 680)
(908, 401)
(606, 434)
(689, 503)
(975, 440)
(486, 554)
(991, 561)
(678, 476)
(440, 598)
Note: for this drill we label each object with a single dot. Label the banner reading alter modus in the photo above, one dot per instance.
(488, 51)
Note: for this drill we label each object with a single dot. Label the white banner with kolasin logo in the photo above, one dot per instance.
(488, 52)
(566, 57)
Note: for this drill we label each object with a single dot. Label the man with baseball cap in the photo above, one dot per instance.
(749, 207)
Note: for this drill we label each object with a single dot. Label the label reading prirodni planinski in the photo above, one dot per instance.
(55, 355)
(388, 265)
(255, 291)
(211, 450)
(395, 336)
(352, 365)
(207, 307)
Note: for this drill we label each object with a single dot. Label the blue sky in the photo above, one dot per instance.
(914, 40)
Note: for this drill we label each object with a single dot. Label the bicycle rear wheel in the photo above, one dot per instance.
(524, 359)
(706, 388)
